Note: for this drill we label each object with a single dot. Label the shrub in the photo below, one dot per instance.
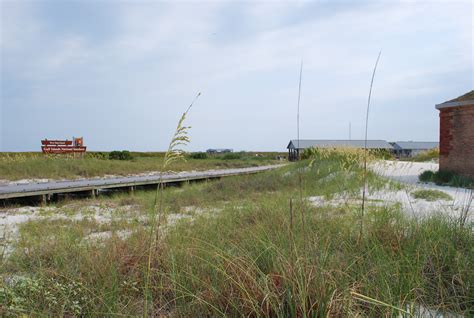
(198, 155)
(429, 155)
(345, 157)
(136, 154)
(459, 181)
(381, 154)
(114, 155)
(232, 156)
(426, 176)
(120, 155)
(443, 176)
(448, 178)
(97, 155)
(126, 155)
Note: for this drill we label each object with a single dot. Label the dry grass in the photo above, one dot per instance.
(36, 166)
(240, 256)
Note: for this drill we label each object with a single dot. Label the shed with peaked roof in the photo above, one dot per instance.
(296, 147)
(457, 135)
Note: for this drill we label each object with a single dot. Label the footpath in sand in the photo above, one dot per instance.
(407, 174)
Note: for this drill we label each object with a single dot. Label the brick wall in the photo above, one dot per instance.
(457, 140)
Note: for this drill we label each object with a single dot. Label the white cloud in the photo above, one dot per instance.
(160, 55)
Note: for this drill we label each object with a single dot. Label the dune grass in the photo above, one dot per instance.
(446, 178)
(16, 166)
(236, 251)
(431, 195)
(428, 155)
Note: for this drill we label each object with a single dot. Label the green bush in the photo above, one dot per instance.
(459, 181)
(114, 155)
(198, 155)
(446, 178)
(120, 155)
(136, 154)
(232, 156)
(429, 155)
(443, 176)
(427, 176)
(97, 155)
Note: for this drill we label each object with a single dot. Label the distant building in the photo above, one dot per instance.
(457, 135)
(295, 147)
(408, 149)
(218, 151)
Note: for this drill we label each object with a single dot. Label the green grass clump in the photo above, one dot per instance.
(247, 254)
(232, 156)
(346, 153)
(446, 178)
(198, 155)
(428, 155)
(431, 195)
(426, 176)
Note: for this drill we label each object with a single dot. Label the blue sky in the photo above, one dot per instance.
(121, 73)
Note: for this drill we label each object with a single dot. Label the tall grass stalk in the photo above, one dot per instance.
(300, 173)
(298, 107)
(365, 145)
(465, 210)
(376, 302)
(173, 154)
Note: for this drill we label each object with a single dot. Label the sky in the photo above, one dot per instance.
(121, 73)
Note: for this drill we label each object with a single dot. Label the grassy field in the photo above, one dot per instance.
(16, 166)
(237, 247)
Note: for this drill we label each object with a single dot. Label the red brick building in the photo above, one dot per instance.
(457, 135)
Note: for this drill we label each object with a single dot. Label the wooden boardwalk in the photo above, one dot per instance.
(19, 190)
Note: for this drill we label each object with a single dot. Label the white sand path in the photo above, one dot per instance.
(407, 173)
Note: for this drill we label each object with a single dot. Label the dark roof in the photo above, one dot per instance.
(220, 150)
(371, 144)
(415, 145)
(464, 100)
